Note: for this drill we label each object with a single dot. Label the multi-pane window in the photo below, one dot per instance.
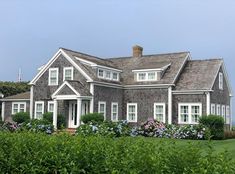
(50, 106)
(100, 73)
(213, 109)
(39, 109)
(102, 108)
(189, 113)
(147, 76)
(141, 76)
(68, 73)
(53, 76)
(159, 112)
(132, 112)
(218, 109)
(114, 112)
(18, 107)
(107, 74)
(223, 111)
(227, 114)
(221, 81)
(115, 76)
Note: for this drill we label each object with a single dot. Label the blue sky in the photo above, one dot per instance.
(32, 31)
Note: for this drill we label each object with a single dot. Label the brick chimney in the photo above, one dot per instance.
(137, 51)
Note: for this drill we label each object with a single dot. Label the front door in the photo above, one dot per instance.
(72, 122)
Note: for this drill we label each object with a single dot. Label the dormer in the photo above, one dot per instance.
(145, 75)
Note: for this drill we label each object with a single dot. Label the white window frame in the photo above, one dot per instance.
(68, 68)
(164, 111)
(146, 76)
(136, 112)
(57, 78)
(18, 107)
(112, 104)
(227, 114)
(223, 111)
(110, 74)
(35, 107)
(99, 73)
(218, 109)
(189, 105)
(221, 80)
(213, 109)
(48, 106)
(117, 79)
(100, 103)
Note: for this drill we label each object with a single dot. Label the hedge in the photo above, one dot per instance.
(62, 153)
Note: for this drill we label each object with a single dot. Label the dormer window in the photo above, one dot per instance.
(68, 73)
(108, 74)
(101, 73)
(147, 76)
(53, 76)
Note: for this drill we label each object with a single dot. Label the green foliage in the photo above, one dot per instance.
(92, 117)
(21, 117)
(106, 128)
(12, 88)
(61, 121)
(215, 124)
(39, 153)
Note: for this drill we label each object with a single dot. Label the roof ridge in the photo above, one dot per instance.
(149, 55)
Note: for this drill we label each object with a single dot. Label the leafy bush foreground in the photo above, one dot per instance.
(39, 153)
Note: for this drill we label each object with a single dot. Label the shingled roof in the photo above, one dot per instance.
(198, 74)
(21, 96)
(127, 64)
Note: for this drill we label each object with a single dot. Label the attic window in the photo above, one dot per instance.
(221, 81)
(108, 74)
(147, 76)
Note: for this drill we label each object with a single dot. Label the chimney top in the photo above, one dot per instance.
(137, 51)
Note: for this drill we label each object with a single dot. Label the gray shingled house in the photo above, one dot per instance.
(172, 88)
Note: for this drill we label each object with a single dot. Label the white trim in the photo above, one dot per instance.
(86, 62)
(170, 105)
(92, 99)
(136, 112)
(55, 114)
(164, 111)
(31, 102)
(68, 68)
(3, 111)
(146, 76)
(18, 107)
(189, 105)
(231, 112)
(213, 109)
(102, 103)
(147, 86)
(35, 111)
(103, 76)
(199, 91)
(48, 106)
(112, 104)
(61, 87)
(221, 81)
(57, 76)
(223, 112)
(208, 103)
(227, 115)
(106, 68)
(153, 69)
(182, 66)
(52, 60)
(218, 109)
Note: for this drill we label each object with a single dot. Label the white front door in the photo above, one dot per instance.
(72, 122)
(85, 107)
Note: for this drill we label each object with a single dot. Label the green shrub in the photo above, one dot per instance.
(215, 124)
(94, 117)
(39, 153)
(61, 121)
(21, 117)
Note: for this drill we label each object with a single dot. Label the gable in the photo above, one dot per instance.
(66, 91)
(51, 63)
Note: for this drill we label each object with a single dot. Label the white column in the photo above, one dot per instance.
(31, 103)
(3, 110)
(55, 114)
(79, 109)
(92, 100)
(170, 105)
(208, 103)
(231, 114)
